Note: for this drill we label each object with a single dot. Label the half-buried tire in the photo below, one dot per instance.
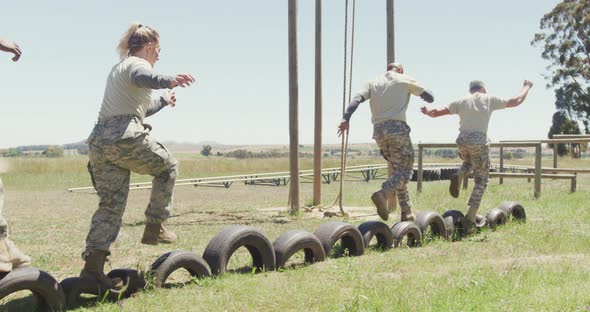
(74, 287)
(496, 217)
(40, 283)
(426, 220)
(349, 236)
(379, 230)
(456, 223)
(169, 262)
(406, 234)
(223, 245)
(293, 241)
(133, 281)
(514, 210)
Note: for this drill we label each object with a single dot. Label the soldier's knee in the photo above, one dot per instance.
(172, 172)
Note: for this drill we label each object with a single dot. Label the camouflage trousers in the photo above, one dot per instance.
(3, 224)
(112, 158)
(476, 158)
(398, 151)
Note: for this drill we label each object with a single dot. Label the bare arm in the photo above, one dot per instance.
(517, 100)
(435, 112)
(11, 47)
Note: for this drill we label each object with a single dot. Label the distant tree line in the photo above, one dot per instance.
(45, 150)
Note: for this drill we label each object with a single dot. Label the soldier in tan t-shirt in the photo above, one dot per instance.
(389, 95)
(10, 256)
(121, 143)
(475, 110)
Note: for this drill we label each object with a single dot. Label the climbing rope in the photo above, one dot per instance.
(345, 99)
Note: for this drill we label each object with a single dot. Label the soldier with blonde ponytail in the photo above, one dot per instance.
(121, 143)
(135, 38)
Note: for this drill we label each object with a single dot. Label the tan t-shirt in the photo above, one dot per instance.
(389, 95)
(475, 110)
(121, 95)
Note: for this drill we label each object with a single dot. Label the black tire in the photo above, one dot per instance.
(40, 283)
(133, 281)
(481, 221)
(349, 236)
(379, 230)
(225, 243)
(426, 175)
(447, 173)
(456, 223)
(292, 241)
(408, 230)
(169, 262)
(514, 210)
(496, 217)
(73, 287)
(432, 220)
(431, 175)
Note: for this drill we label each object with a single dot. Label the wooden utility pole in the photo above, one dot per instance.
(390, 33)
(293, 109)
(317, 144)
(390, 59)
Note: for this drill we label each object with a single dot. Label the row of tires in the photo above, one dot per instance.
(438, 174)
(435, 174)
(266, 256)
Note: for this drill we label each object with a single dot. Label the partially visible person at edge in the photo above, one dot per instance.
(475, 110)
(10, 256)
(389, 95)
(121, 142)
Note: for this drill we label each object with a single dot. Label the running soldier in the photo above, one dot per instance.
(389, 96)
(121, 142)
(475, 110)
(10, 256)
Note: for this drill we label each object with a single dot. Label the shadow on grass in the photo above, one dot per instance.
(213, 218)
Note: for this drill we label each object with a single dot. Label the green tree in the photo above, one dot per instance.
(54, 151)
(12, 152)
(565, 41)
(206, 151)
(563, 125)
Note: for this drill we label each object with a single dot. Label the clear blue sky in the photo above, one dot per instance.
(238, 52)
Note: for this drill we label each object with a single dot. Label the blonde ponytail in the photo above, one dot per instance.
(135, 38)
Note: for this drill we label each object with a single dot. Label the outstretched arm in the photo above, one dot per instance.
(435, 112)
(352, 106)
(11, 47)
(517, 100)
(147, 78)
(167, 99)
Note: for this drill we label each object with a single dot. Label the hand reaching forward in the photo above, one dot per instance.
(170, 97)
(527, 83)
(11, 47)
(182, 80)
(343, 127)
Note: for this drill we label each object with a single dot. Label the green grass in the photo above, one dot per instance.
(542, 265)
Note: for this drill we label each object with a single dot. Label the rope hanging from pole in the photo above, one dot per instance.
(344, 145)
